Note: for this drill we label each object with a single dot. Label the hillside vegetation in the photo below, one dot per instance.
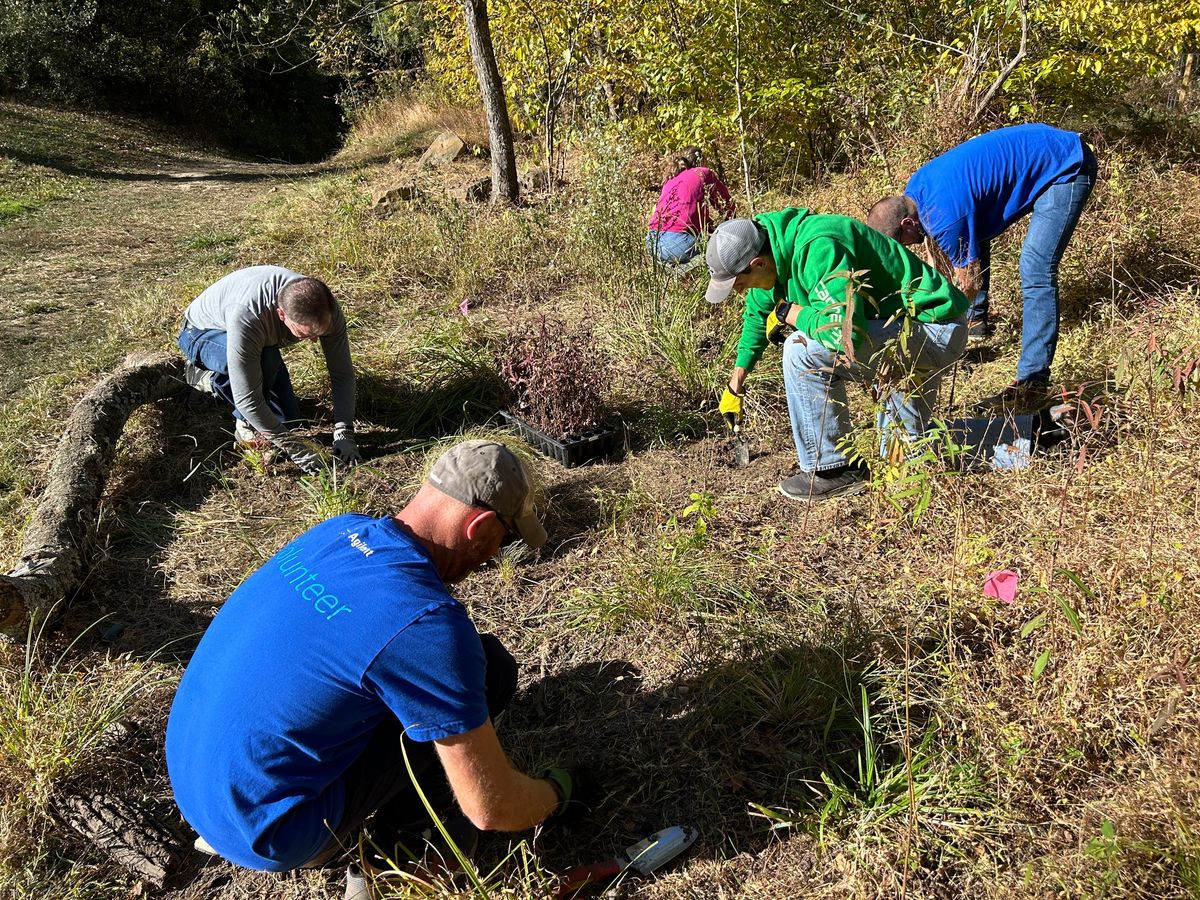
(823, 691)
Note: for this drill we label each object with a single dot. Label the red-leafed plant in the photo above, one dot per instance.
(556, 379)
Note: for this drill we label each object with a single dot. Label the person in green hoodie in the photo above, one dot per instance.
(834, 291)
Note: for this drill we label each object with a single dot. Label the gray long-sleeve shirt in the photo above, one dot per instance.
(243, 304)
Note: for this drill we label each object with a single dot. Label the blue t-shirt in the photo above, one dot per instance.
(970, 194)
(345, 626)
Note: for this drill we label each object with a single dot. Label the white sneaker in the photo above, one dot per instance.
(356, 884)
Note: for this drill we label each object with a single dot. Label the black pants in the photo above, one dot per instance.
(378, 781)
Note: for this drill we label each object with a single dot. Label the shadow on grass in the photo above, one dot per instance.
(205, 171)
(169, 462)
(699, 749)
(447, 401)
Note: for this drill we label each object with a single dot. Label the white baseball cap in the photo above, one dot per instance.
(730, 250)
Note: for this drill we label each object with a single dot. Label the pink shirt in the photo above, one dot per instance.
(686, 199)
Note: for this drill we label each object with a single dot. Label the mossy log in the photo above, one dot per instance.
(55, 549)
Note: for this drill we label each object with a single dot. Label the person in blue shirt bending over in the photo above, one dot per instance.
(969, 195)
(341, 663)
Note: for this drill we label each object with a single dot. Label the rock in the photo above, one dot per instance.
(536, 180)
(392, 197)
(446, 148)
(478, 191)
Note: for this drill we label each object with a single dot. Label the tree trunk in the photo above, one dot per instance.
(491, 88)
(57, 542)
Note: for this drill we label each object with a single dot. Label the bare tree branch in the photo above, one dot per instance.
(1008, 69)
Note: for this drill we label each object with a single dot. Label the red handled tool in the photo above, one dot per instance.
(643, 857)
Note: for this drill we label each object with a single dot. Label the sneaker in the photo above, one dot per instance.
(812, 486)
(978, 330)
(356, 884)
(198, 378)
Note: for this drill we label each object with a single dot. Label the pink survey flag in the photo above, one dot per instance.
(1002, 585)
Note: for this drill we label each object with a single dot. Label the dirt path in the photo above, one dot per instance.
(134, 206)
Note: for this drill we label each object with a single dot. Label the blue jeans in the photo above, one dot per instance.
(209, 349)
(1055, 214)
(815, 379)
(671, 246)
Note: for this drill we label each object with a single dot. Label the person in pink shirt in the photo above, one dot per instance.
(692, 202)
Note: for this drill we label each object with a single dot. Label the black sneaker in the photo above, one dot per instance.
(811, 486)
(978, 330)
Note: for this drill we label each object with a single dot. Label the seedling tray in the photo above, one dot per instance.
(598, 443)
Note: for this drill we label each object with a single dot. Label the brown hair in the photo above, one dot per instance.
(687, 158)
(307, 301)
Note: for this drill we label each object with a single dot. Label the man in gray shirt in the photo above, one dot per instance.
(231, 338)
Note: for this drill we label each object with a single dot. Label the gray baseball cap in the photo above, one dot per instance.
(730, 250)
(487, 474)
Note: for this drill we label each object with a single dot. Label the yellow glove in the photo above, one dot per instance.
(777, 328)
(731, 409)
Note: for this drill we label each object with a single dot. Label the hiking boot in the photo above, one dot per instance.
(978, 330)
(812, 486)
(198, 378)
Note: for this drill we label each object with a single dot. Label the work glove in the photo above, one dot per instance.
(303, 452)
(345, 450)
(731, 409)
(777, 328)
(572, 790)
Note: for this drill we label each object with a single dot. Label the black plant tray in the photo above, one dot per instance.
(598, 443)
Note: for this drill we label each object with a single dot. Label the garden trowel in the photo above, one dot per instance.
(643, 857)
(741, 448)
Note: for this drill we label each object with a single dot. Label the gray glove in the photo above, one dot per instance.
(303, 452)
(345, 450)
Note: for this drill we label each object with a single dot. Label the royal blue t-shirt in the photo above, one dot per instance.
(970, 194)
(345, 626)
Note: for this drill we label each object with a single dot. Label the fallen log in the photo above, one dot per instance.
(57, 543)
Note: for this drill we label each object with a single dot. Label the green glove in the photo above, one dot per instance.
(777, 328)
(570, 788)
(731, 409)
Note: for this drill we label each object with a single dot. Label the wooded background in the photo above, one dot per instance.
(806, 84)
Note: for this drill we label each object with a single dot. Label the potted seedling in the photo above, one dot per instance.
(556, 383)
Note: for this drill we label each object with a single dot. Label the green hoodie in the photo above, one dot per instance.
(814, 256)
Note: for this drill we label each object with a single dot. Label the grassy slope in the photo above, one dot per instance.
(834, 672)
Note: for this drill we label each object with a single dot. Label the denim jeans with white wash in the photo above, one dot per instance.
(815, 379)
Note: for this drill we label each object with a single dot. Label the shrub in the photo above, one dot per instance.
(556, 378)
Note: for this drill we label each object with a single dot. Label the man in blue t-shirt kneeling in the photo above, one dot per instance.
(342, 657)
(969, 195)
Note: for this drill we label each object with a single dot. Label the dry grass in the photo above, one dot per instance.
(396, 125)
(824, 693)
